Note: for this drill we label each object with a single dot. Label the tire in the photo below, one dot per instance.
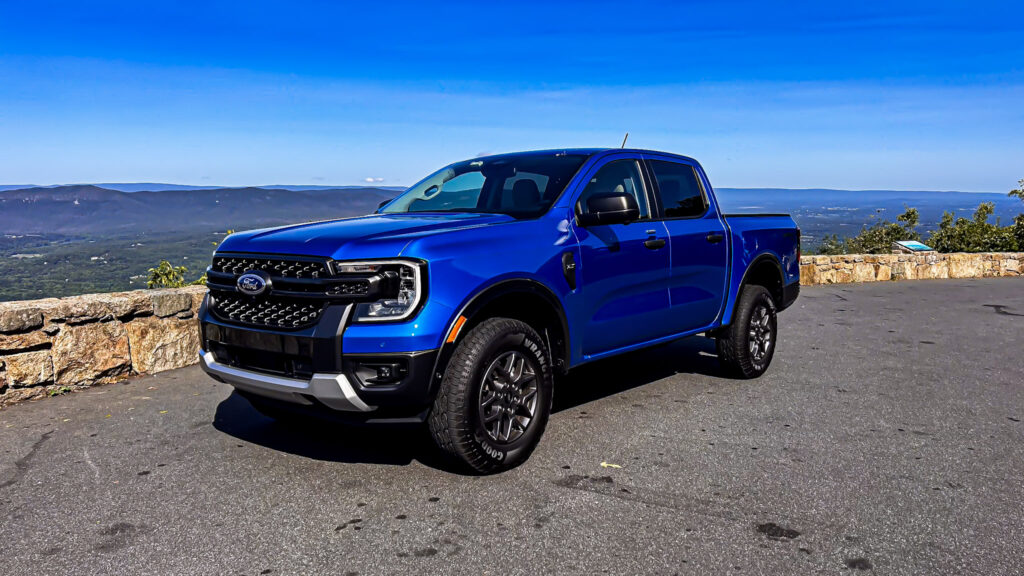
(746, 347)
(478, 419)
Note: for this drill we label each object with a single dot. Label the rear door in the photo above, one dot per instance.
(623, 272)
(697, 238)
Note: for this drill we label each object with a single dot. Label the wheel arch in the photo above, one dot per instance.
(520, 298)
(764, 270)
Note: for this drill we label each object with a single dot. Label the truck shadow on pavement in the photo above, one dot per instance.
(399, 445)
(604, 378)
(329, 441)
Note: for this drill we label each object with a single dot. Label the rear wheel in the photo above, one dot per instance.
(746, 347)
(495, 397)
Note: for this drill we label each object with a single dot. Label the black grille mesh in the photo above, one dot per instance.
(275, 267)
(274, 312)
(353, 288)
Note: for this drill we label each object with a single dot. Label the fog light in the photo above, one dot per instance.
(387, 372)
(370, 373)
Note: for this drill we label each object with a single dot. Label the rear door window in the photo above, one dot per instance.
(679, 189)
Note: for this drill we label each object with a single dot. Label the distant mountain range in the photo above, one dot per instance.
(100, 210)
(158, 187)
(94, 210)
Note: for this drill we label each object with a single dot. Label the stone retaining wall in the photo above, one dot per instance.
(54, 346)
(881, 267)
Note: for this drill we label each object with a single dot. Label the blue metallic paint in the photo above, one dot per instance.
(699, 268)
(622, 302)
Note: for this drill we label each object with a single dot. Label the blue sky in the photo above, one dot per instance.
(892, 95)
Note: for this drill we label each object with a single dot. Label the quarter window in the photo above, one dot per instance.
(678, 189)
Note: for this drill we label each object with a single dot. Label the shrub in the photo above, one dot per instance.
(167, 276)
(831, 245)
(1019, 192)
(876, 238)
(975, 234)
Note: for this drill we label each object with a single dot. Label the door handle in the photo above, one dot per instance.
(715, 237)
(654, 243)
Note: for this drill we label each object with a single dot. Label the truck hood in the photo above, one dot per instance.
(374, 236)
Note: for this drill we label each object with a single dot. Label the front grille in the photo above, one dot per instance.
(273, 312)
(351, 288)
(275, 267)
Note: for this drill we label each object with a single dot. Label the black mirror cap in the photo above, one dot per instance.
(610, 208)
(384, 203)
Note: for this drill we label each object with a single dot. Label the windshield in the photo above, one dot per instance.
(522, 186)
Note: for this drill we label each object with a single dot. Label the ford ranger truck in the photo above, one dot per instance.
(463, 300)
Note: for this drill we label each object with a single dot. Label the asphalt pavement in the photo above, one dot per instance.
(885, 438)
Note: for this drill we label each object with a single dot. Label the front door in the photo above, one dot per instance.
(624, 268)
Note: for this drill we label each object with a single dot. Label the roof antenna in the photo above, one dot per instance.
(624, 140)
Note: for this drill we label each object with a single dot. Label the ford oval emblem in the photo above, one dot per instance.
(252, 283)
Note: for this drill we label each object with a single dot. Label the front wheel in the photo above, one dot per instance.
(746, 347)
(495, 397)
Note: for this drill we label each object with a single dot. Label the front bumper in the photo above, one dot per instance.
(332, 390)
(307, 370)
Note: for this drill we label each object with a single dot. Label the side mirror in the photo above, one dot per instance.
(610, 208)
(383, 204)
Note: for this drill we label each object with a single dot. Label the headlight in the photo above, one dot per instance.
(403, 294)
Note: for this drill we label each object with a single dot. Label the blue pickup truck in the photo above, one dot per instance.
(461, 302)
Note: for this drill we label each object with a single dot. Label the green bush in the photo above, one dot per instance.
(830, 246)
(975, 234)
(1019, 192)
(876, 238)
(167, 276)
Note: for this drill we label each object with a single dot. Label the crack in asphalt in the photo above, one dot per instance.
(21, 465)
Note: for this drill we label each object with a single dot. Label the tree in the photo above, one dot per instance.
(876, 238)
(975, 234)
(1019, 192)
(831, 245)
(1018, 222)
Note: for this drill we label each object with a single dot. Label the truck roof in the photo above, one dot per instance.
(587, 152)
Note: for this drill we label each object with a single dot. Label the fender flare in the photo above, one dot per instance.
(492, 292)
(757, 261)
